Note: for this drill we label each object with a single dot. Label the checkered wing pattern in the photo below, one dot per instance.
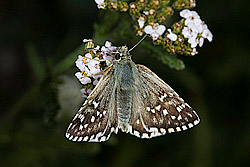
(158, 109)
(97, 118)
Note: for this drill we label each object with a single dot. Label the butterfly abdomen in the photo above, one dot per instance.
(124, 76)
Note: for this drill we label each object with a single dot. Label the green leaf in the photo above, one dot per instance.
(171, 60)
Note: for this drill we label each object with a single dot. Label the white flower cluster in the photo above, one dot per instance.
(195, 29)
(155, 30)
(90, 67)
(100, 4)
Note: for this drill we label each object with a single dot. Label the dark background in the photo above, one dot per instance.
(215, 83)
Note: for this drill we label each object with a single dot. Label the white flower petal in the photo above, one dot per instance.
(109, 58)
(104, 49)
(207, 34)
(146, 12)
(155, 36)
(185, 13)
(83, 79)
(99, 1)
(141, 21)
(79, 63)
(148, 29)
(194, 52)
(193, 42)
(161, 29)
(107, 44)
(201, 41)
(195, 15)
(171, 36)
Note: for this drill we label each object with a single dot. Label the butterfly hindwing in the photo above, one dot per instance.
(96, 119)
(159, 109)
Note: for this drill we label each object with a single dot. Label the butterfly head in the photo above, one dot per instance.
(122, 53)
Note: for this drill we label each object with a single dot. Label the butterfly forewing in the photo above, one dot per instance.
(96, 119)
(159, 109)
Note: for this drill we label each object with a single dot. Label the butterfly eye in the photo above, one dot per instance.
(117, 56)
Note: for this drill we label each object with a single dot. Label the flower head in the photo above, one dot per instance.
(195, 30)
(89, 64)
(155, 30)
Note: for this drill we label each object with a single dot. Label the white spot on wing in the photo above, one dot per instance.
(148, 108)
(153, 110)
(75, 117)
(92, 119)
(67, 135)
(104, 112)
(184, 127)
(80, 139)
(71, 137)
(145, 135)
(165, 112)
(173, 117)
(95, 104)
(92, 137)
(75, 138)
(178, 129)
(85, 138)
(178, 109)
(158, 107)
(103, 138)
(190, 125)
(163, 131)
(163, 97)
(136, 133)
(80, 127)
(179, 117)
(170, 130)
(196, 122)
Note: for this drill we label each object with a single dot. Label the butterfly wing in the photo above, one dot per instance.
(96, 119)
(157, 108)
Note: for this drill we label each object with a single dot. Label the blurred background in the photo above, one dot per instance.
(39, 42)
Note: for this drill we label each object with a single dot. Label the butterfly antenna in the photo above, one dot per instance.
(137, 43)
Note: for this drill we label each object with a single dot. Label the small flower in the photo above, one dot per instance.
(141, 21)
(85, 93)
(94, 66)
(146, 12)
(80, 63)
(207, 34)
(194, 52)
(201, 41)
(187, 14)
(189, 32)
(83, 78)
(155, 31)
(100, 4)
(172, 36)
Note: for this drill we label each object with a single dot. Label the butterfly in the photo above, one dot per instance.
(132, 98)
